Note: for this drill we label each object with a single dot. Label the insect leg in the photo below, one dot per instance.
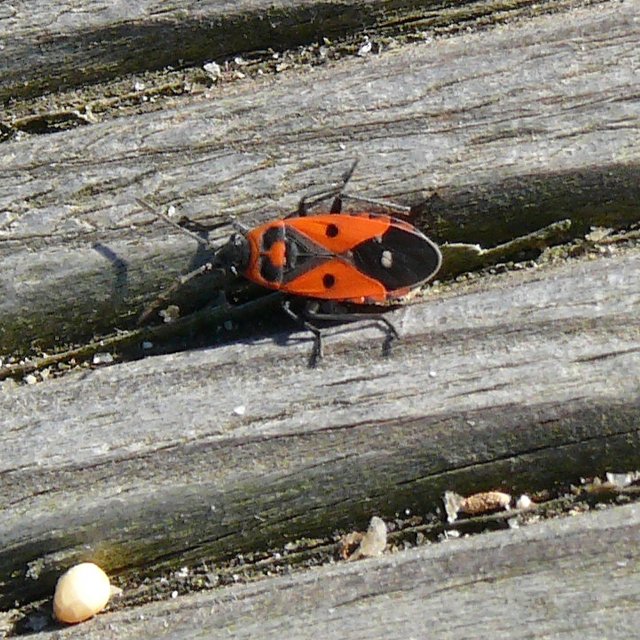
(391, 333)
(241, 228)
(308, 201)
(316, 354)
(318, 196)
(379, 203)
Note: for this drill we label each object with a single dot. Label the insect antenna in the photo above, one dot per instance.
(163, 216)
(165, 296)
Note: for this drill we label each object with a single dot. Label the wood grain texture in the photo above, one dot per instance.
(513, 129)
(575, 578)
(513, 382)
(48, 47)
(517, 384)
(52, 46)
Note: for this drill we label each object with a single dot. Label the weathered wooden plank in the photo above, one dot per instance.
(67, 44)
(529, 380)
(510, 138)
(50, 46)
(571, 578)
(515, 383)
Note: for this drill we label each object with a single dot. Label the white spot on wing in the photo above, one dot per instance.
(387, 259)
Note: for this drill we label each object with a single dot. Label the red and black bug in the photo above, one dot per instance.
(359, 258)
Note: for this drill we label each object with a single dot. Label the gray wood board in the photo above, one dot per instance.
(54, 46)
(50, 46)
(571, 578)
(517, 382)
(511, 128)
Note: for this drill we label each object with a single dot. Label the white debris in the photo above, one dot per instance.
(373, 542)
(213, 70)
(621, 480)
(102, 358)
(524, 502)
(366, 47)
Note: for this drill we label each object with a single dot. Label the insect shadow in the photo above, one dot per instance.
(120, 271)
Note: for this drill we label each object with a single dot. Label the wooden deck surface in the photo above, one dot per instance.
(571, 578)
(491, 135)
(517, 381)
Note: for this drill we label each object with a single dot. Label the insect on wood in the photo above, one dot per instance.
(330, 259)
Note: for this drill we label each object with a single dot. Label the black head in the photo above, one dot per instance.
(234, 255)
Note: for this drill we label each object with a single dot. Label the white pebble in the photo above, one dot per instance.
(102, 358)
(213, 70)
(81, 592)
(366, 47)
(523, 502)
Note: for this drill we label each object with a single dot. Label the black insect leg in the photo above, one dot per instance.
(308, 201)
(313, 198)
(338, 195)
(316, 353)
(378, 203)
(391, 333)
(310, 313)
(241, 228)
